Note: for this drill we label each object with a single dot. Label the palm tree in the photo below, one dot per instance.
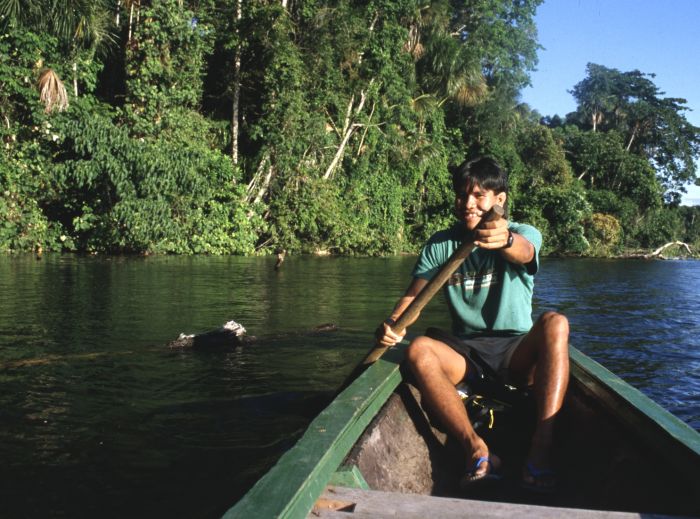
(84, 22)
(445, 68)
(52, 93)
(77, 24)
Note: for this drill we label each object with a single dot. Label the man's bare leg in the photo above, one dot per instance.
(542, 360)
(438, 369)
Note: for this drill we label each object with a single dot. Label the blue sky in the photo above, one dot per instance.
(653, 36)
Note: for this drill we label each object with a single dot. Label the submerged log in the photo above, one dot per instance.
(231, 335)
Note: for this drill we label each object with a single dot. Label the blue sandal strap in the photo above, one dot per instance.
(538, 473)
(478, 463)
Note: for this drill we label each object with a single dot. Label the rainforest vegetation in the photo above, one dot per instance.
(241, 127)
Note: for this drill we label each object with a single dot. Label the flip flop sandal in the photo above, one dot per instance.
(472, 476)
(542, 481)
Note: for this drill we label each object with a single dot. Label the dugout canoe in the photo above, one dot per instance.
(374, 452)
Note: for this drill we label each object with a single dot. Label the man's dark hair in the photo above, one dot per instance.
(483, 171)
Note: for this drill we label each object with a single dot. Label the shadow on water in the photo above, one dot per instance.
(99, 418)
(159, 432)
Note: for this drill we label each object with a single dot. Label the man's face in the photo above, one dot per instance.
(471, 204)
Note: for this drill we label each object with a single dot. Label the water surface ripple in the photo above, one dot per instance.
(98, 417)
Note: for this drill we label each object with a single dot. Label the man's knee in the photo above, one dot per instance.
(419, 353)
(427, 357)
(553, 334)
(555, 324)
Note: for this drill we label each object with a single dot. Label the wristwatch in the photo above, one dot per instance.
(509, 241)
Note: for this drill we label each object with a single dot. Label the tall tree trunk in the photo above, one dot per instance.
(131, 22)
(75, 79)
(634, 134)
(236, 87)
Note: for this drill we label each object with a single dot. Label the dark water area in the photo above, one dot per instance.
(99, 417)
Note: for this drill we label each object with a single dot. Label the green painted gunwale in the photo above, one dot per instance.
(291, 487)
(674, 440)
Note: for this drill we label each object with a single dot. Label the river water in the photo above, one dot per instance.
(99, 417)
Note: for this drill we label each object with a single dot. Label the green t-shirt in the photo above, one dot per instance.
(487, 295)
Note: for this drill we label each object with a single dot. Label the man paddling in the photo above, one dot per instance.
(490, 301)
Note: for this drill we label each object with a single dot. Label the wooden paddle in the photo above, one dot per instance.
(425, 295)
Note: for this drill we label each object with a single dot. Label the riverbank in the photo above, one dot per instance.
(669, 251)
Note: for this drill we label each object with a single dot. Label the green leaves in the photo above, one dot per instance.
(115, 193)
(347, 118)
(165, 66)
(649, 126)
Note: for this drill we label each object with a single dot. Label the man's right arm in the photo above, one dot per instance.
(385, 335)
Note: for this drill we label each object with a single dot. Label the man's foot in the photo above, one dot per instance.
(538, 474)
(484, 468)
(543, 481)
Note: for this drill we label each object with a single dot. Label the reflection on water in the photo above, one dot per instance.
(98, 417)
(640, 319)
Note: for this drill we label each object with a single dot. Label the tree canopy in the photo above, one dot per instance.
(651, 126)
(221, 126)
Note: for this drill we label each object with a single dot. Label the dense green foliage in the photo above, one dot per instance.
(222, 126)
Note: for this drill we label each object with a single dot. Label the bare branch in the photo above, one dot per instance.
(256, 178)
(364, 133)
(332, 124)
(265, 185)
(657, 252)
(339, 153)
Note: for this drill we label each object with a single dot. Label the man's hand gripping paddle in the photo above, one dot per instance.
(425, 295)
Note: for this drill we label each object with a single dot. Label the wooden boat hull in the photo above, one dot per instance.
(615, 450)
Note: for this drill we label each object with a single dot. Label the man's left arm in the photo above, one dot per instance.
(496, 236)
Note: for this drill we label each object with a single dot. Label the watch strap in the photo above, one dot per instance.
(509, 241)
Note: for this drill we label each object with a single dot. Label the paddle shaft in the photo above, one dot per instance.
(434, 285)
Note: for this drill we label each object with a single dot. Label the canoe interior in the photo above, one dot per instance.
(607, 456)
(615, 450)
